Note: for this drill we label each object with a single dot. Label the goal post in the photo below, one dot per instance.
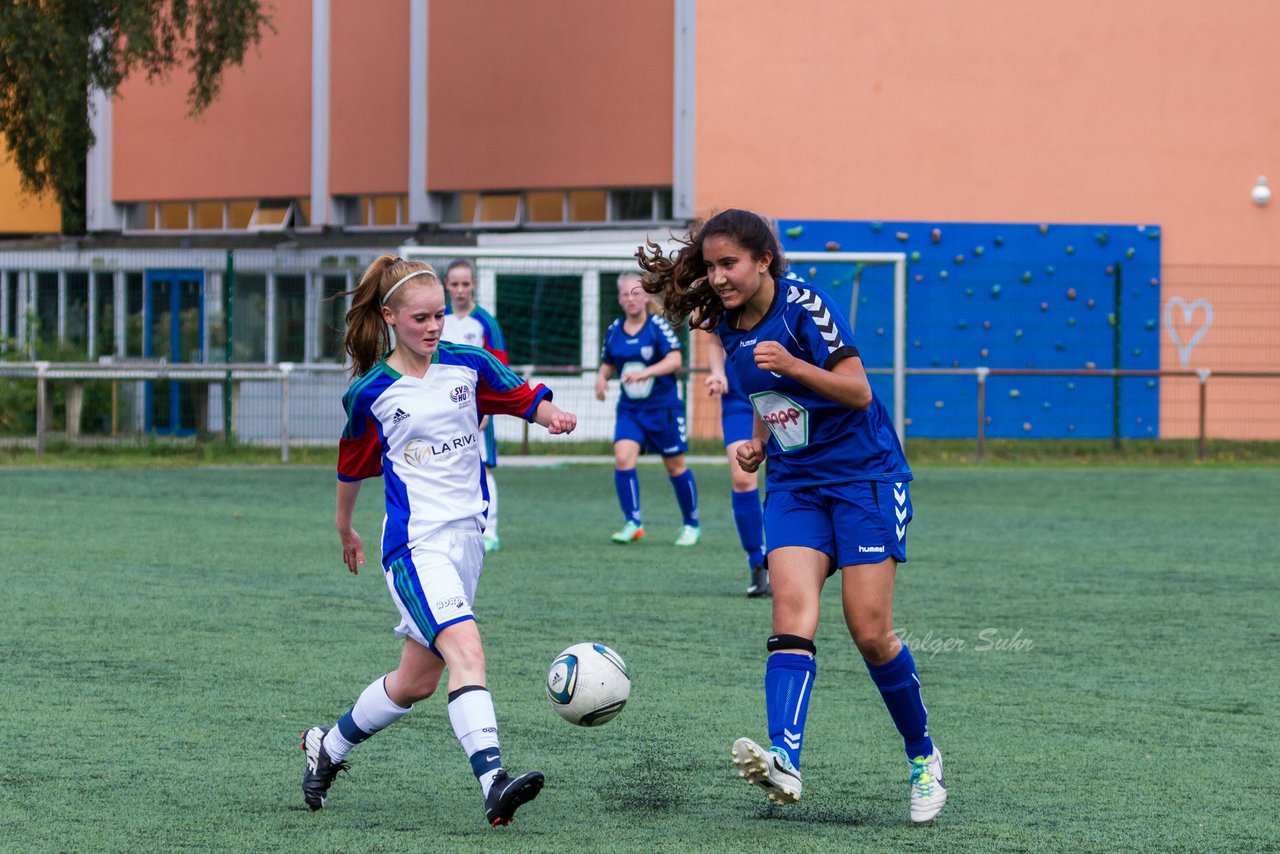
(554, 301)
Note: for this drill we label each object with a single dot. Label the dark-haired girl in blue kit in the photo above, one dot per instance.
(836, 487)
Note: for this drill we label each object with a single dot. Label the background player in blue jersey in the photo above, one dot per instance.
(737, 424)
(836, 485)
(643, 351)
(469, 323)
(413, 417)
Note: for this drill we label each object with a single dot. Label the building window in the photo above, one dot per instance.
(272, 215)
(498, 208)
(544, 206)
(291, 318)
(249, 330)
(104, 315)
(77, 319)
(374, 211)
(209, 216)
(46, 313)
(588, 205)
(133, 286)
(239, 214)
(557, 207)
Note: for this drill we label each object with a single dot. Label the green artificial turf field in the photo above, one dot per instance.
(1097, 648)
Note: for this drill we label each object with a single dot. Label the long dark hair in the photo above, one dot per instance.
(367, 339)
(681, 279)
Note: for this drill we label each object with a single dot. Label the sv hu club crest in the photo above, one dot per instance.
(461, 394)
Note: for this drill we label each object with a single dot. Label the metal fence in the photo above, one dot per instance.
(293, 404)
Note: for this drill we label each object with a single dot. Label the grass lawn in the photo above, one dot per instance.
(1097, 645)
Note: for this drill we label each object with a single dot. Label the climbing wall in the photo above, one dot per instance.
(1023, 295)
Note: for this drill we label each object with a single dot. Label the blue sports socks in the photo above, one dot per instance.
(373, 711)
(627, 482)
(749, 519)
(686, 496)
(476, 726)
(788, 683)
(900, 687)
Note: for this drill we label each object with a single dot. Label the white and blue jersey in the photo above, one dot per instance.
(813, 441)
(422, 436)
(628, 353)
(478, 328)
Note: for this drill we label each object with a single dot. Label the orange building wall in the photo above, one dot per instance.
(369, 96)
(556, 93)
(254, 141)
(21, 213)
(1005, 110)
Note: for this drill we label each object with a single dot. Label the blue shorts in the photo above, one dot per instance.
(737, 417)
(858, 522)
(660, 431)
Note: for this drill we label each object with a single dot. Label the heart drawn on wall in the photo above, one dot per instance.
(1183, 329)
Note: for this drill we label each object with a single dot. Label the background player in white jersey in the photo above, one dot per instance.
(469, 323)
(413, 417)
(737, 425)
(836, 487)
(641, 349)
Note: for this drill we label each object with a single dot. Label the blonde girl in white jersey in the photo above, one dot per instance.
(413, 417)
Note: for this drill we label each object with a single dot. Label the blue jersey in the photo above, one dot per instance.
(628, 353)
(813, 440)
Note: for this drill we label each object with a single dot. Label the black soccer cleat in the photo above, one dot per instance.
(321, 771)
(507, 794)
(759, 585)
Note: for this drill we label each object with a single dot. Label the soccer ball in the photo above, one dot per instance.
(588, 684)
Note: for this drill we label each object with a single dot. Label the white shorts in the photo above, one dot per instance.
(434, 585)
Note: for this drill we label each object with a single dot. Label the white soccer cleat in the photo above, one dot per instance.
(769, 769)
(928, 791)
(689, 536)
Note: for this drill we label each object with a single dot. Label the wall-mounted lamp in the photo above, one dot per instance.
(1261, 192)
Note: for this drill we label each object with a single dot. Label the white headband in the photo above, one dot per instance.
(402, 281)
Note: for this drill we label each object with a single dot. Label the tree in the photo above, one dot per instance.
(54, 52)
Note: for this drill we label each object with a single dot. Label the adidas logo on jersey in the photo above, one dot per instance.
(399, 416)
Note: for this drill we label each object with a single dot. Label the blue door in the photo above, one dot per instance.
(174, 331)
